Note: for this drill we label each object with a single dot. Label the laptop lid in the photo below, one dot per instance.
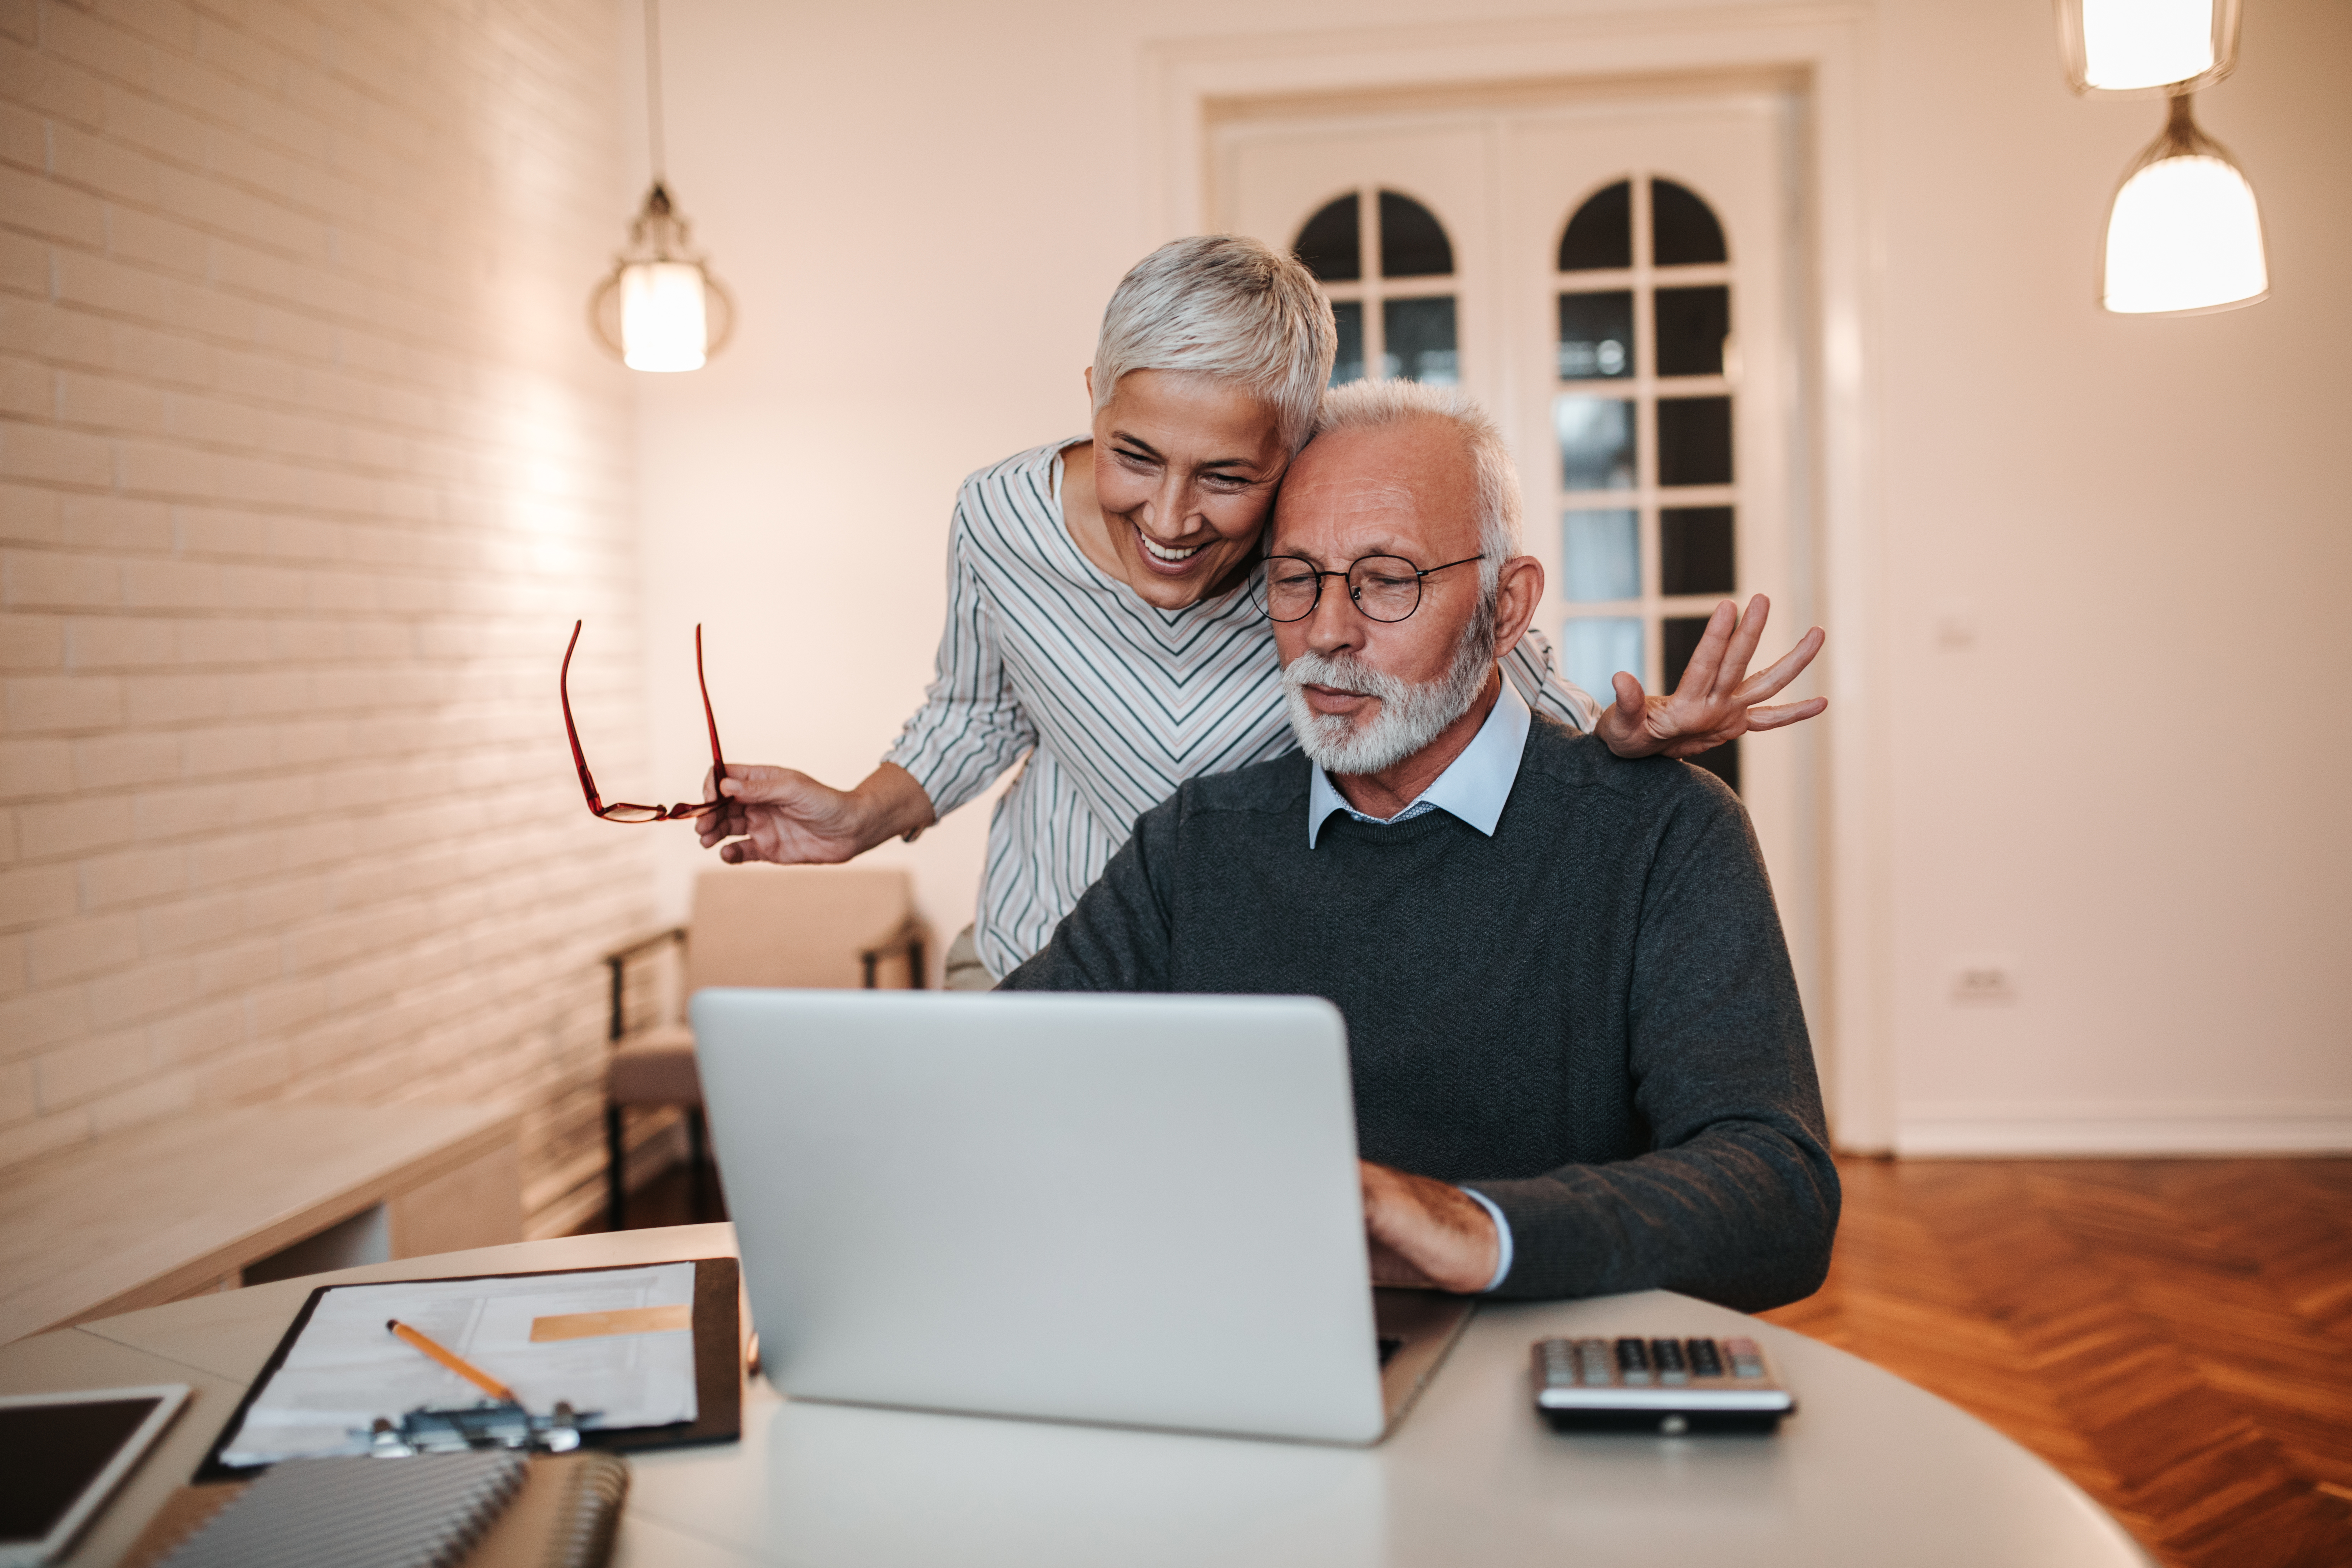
(1141, 1210)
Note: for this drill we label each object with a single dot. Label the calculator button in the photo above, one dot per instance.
(1746, 1361)
(1592, 1360)
(1633, 1361)
(1703, 1361)
(1666, 1355)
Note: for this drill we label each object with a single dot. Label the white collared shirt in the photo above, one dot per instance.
(1475, 787)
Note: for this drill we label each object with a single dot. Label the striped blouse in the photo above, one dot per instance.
(1113, 702)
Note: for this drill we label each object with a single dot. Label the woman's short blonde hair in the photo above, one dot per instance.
(1224, 304)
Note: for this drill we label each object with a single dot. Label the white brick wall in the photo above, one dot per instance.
(305, 466)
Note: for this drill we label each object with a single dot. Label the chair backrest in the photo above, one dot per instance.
(792, 925)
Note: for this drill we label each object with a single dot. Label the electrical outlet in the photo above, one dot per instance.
(1978, 981)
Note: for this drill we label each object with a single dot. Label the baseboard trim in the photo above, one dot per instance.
(2313, 1127)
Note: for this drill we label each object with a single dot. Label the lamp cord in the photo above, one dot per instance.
(653, 86)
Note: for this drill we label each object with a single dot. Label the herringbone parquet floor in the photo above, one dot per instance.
(2174, 1334)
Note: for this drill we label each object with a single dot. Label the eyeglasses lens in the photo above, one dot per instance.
(1289, 588)
(1385, 587)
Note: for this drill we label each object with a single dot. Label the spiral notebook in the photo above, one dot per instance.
(494, 1509)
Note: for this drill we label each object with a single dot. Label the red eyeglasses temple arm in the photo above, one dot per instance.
(717, 759)
(579, 757)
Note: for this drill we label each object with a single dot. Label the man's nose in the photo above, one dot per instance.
(1334, 626)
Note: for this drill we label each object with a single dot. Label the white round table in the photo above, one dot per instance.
(1870, 1471)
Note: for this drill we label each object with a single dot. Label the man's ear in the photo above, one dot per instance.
(1519, 589)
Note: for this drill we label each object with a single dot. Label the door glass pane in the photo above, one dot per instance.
(1692, 325)
(1693, 440)
(1695, 550)
(1412, 242)
(1348, 364)
(1678, 637)
(1596, 335)
(1596, 441)
(1600, 556)
(1420, 339)
(1601, 232)
(1595, 647)
(1682, 230)
(1331, 245)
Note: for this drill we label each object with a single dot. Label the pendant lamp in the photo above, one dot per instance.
(2184, 236)
(2184, 232)
(2148, 46)
(660, 309)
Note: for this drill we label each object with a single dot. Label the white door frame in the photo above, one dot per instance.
(1826, 48)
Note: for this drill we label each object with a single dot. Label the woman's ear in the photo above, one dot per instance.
(1091, 386)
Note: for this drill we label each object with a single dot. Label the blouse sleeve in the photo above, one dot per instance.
(1548, 691)
(971, 727)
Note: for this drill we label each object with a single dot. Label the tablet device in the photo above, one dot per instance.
(64, 1454)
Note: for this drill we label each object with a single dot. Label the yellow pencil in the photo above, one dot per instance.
(454, 1362)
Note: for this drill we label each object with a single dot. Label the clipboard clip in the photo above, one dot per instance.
(488, 1424)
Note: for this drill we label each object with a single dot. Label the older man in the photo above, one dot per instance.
(1580, 1063)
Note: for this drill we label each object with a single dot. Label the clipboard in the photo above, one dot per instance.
(718, 1367)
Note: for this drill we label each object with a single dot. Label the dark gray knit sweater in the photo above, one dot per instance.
(1590, 1017)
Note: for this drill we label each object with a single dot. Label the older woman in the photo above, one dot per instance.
(1099, 626)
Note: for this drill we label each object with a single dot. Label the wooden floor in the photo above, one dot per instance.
(2174, 1334)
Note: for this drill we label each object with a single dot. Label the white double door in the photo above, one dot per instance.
(1622, 277)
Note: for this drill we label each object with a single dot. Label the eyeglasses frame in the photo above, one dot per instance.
(1419, 573)
(682, 811)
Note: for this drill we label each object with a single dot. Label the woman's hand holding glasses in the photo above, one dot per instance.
(784, 816)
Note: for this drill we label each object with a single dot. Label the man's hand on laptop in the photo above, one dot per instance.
(1424, 1233)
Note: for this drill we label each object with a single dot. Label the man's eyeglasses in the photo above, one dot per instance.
(1385, 587)
(624, 811)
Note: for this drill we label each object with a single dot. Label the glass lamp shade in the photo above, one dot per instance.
(2185, 235)
(660, 309)
(2147, 46)
(663, 324)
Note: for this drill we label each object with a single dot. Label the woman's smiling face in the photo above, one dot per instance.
(1185, 469)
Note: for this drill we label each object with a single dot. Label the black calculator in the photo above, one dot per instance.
(1669, 1386)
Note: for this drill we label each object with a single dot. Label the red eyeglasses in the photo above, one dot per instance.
(624, 812)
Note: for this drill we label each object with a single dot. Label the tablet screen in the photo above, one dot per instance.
(50, 1453)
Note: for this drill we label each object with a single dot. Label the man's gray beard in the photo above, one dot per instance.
(1410, 715)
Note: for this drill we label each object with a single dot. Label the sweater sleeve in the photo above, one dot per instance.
(1737, 1199)
(1118, 937)
(971, 726)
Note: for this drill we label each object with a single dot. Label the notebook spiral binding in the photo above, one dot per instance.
(589, 1514)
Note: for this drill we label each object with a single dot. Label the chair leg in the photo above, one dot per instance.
(698, 1162)
(616, 1170)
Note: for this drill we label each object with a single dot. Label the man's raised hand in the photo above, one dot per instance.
(1717, 699)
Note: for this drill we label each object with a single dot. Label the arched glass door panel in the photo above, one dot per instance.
(1642, 415)
(1399, 321)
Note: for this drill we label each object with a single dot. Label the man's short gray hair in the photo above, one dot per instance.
(1222, 304)
(1376, 404)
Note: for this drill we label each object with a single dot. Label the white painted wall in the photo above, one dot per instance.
(2113, 770)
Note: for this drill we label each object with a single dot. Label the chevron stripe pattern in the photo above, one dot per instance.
(1114, 701)
(2176, 1335)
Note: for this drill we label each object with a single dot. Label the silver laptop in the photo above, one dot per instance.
(1139, 1210)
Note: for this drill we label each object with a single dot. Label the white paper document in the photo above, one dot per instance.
(347, 1368)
